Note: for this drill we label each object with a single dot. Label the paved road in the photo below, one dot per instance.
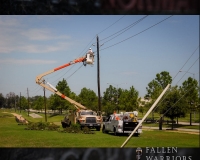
(187, 123)
(175, 129)
(178, 129)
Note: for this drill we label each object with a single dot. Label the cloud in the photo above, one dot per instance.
(9, 21)
(42, 34)
(16, 37)
(26, 61)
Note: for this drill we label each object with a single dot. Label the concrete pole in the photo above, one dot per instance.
(149, 111)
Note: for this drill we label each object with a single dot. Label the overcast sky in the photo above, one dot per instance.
(31, 45)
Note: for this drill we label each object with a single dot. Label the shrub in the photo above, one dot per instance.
(86, 130)
(42, 126)
(53, 127)
(74, 128)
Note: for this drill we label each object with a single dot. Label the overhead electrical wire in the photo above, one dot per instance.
(178, 101)
(111, 24)
(188, 69)
(136, 34)
(181, 77)
(86, 51)
(186, 62)
(122, 30)
(37, 90)
(175, 85)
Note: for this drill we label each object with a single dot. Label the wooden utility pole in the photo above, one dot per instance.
(20, 103)
(15, 103)
(98, 76)
(28, 100)
(45, 105)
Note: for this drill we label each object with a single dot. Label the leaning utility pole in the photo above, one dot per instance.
(145, 116)
(45, 105)
(28, 101)
(98, 76)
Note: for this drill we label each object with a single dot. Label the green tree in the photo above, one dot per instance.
(190, 90)
(39, 103)
(51, 102)
(2, 100)
(156, 86)
(163, 79)
(173, 105)
(129, 100)
(59, 102)
(10, 100)
(24, 103)
(119, 99)
(109, 100)
(88, 98)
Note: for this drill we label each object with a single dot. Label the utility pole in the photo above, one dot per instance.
(28, 100)
(15, 103)
(45, 105)
(20, 103)
(98, 76)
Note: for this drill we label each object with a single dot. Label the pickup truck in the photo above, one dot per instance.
(122, 123)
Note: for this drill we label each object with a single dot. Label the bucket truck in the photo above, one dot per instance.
(83, 116)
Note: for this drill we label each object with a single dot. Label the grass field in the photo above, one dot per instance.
(14, 135)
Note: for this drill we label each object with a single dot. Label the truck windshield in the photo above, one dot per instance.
(87, 113)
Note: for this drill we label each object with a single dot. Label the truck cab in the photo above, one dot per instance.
(86, 118)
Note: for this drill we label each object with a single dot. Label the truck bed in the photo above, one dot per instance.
(129, 126)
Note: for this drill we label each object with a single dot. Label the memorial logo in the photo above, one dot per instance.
(138, 153)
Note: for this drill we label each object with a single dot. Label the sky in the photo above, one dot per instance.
(133, 49)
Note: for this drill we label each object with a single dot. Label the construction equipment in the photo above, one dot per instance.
(83, 116)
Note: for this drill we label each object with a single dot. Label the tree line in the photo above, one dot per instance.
(176, 103)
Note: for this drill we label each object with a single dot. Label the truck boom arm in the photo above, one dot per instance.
(88, 59)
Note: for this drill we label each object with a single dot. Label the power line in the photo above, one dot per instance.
(176, 75)
(124, 30)
(188, 70)
(137, 33)
(37, 90)
(111, 24)
(176, 84)
(186, 62)
(177, 101)
(75, 72)
(86, 48)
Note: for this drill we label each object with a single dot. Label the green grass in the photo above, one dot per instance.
(13, 135)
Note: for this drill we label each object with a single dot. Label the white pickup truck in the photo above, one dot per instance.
(122, 123)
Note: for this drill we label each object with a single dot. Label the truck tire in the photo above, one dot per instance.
(98, 128)
(103, 129)
(136, 134)
(115, 132)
